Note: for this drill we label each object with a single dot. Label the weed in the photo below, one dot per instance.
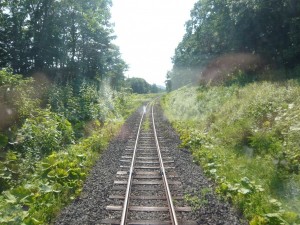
(44, 163)
(146, 124)
(197, 200)
(247, 139)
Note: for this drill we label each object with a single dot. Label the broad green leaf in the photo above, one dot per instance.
(244, 191)
(9, 197)
(3, 140)
(213, 171)
(45, 188)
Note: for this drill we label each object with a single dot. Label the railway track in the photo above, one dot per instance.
(147, 189)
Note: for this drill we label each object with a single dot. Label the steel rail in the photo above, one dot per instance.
(163, 173)
(128, 189)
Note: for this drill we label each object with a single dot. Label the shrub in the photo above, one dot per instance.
(86, 105)
(18, 97)
(265, 142)
(44, 132)
(57, 179)
(10, 170)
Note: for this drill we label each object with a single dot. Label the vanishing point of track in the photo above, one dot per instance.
(147, 186)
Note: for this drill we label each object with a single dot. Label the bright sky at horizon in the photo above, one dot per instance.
(148, 31)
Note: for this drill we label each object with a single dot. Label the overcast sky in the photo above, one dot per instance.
(148, 31)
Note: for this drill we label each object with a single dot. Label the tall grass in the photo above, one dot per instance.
(248, 140)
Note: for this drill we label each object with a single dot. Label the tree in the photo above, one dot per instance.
(69, 40)
(138, 85)
(168, 82)
(154, 88)
(269, 28)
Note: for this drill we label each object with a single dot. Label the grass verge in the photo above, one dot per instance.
(247, 140)
(48, 184)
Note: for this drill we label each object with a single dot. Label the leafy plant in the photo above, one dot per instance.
(197, 200)
(265, 142)
(57, 179)
(10, 170)
(43, 133)
(8, 78)
(238, 132)
(3, 140)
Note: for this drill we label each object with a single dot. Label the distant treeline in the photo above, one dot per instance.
(140, 86)
(267, 29)
(67, 40)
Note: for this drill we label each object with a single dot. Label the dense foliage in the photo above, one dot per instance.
(50, 136)
(244, 134)
(65, 39)
(267, 29)
(59, 115)
(140, 86)
(44, 186)
(246, 138)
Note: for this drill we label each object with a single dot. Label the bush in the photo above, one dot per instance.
(87, 105)
(10, 170)
(18, 97)
(8, 78)
(44, 132)
(57, 179)
(264, 142)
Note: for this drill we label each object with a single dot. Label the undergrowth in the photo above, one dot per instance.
(56, 180)
(50, 137)
(247, 139)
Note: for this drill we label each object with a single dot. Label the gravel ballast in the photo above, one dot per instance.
(89, 207)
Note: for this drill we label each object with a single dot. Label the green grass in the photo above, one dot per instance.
(56, 180)
(248, 140)
(146, 124)
(35, 195)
